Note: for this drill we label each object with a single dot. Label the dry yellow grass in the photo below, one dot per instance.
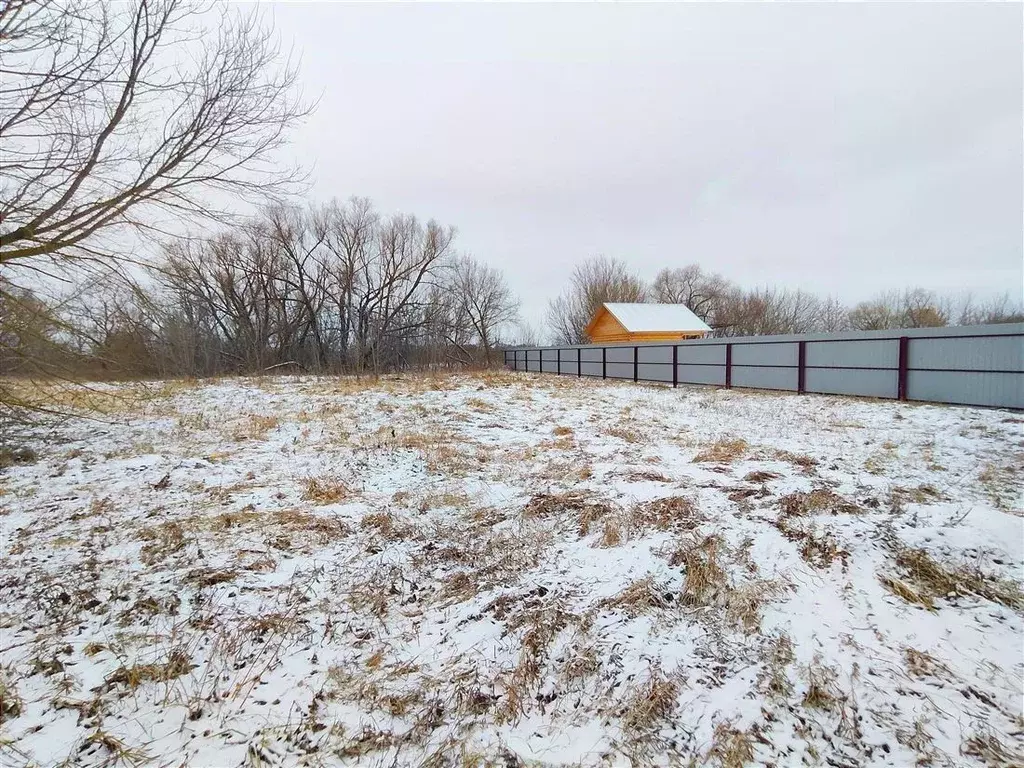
(924, 579)
(254, 427)
(723, 451)
(640, 597)
(325, 490)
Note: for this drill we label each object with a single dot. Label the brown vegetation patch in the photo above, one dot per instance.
(386, 525)
(546, 505)
(672, 512)
(325, 490)
(777, 655)
(822, 691)
(723, 451)
(639, 597)
(162, 541)
(818, 501)
(208, 577)
(300, 521)
(924, 579)
(806, 463)
(255, 427)
(922, 664)
(178, 663)
(625, 433)
(10, 700)
(646, 476)
(760, 476)
(651, 703)
(11, 456)
(731, 747)
(817, 550)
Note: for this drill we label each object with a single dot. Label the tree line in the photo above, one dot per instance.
(326, 288)
(732, 310)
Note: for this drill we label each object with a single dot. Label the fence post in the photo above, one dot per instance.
(636, 366)
(579, 363)
(728, 366)
(558, 362)
(675, 366)
(801, 367)
(901, 374)
(604, 362)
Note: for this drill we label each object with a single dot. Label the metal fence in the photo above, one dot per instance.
(976, 365)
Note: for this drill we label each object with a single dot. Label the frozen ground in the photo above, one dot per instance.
(511, 569)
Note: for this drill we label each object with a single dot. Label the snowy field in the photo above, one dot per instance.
(511, 569)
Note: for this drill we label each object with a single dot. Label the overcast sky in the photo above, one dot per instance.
(840, 148)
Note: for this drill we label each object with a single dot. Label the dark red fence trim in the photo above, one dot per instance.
(901, 375)
(801, 366)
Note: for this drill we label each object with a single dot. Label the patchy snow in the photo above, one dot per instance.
(510, 569)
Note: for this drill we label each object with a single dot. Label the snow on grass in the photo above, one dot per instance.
(510, 569)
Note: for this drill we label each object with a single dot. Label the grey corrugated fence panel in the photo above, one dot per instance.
(978, 365)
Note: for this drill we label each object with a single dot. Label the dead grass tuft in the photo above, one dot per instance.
(386, 525)
(625, 433)
(586, 508)
(650, 704)
(723, 451)
(325, 490)
(924, 579)
(731, 747)
(921, 664)
(639, 597)
(817, 550)
(562, 431)
(12, 456)
(162, 540)
(806, 463)
(178, 663)
(706, 579)
(986, 746)
(255, 427)
(611, 534)
(822, 691)
(10, 700)
(818, 501)
(760, 476)
(672, 512)
(777, 655)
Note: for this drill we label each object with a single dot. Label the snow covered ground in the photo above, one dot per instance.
(511, 569)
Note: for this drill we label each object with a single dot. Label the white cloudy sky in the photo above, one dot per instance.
(840, 148)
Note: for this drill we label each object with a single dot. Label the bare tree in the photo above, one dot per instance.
(481, 302)
(324, 287)
(997, 309)
(911, 308)
(702, 292)
(114, 116)
(594, 282)
(767, 311)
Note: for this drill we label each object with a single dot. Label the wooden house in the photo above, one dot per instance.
(615, 322)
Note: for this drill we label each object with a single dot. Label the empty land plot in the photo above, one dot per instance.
(506, 569)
